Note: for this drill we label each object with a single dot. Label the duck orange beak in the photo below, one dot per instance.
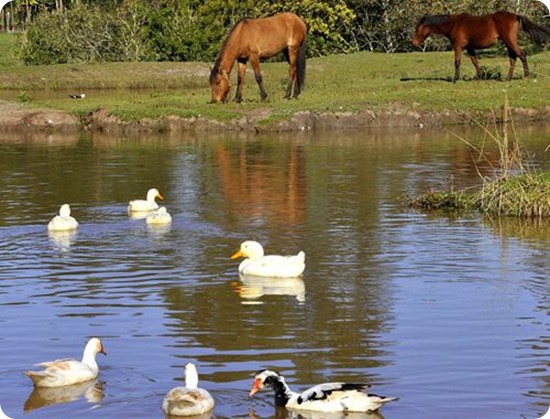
(237, 254)
(159, 196)
(257, 386)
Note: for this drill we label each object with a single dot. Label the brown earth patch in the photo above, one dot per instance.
(13, 117)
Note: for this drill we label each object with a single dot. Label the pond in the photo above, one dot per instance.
(448, 313)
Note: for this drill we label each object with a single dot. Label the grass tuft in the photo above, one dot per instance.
(516, 189)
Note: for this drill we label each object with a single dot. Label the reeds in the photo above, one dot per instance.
(515, 189)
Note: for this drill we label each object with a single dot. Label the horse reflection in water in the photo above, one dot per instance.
(40, 397)
(471, 32)
(254, 39)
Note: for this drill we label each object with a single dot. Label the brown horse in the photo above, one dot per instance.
(253, 39)
(471, 32)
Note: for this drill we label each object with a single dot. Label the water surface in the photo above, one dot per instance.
(449, 313)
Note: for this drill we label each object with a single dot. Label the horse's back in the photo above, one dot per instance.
(270, 35)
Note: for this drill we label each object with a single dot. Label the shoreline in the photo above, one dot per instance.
(14, 118)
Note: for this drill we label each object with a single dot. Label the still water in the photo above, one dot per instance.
(449, 313)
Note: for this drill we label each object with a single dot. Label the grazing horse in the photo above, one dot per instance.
(253, 39)
(471, 32)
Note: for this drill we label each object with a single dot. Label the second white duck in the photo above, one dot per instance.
(327, 397)
(160, 216)
(189, 400)
(63, 221)
(148, 204)
(256, 263)
(65, 372)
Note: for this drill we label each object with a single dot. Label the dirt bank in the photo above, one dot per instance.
(15, 118)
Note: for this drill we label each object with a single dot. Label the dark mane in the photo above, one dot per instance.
(433, 20)
(216, 68)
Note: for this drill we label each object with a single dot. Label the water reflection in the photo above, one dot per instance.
(40, 397)
(159, 230)
(254, 185)
(203, 416)
(282, 413)
(252, 288)
(62, 240)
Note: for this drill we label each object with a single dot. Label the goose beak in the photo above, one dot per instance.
(237, 254)
(257, 386)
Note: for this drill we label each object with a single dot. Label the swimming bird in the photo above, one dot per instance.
(149, 204)
(189, 400)
(160, 216)
(78, 96)
(64, 372)
(256, 263)
(327, 397)
(63, 221)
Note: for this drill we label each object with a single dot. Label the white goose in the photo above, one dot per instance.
(189, 400)
(160, 216)
(143, 205)
(63, 221)
(272, 265)
(64, 372)
(327, 397)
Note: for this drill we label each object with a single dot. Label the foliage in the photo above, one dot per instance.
(193, 30)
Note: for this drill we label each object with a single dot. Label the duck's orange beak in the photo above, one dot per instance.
(237, 254)
(159, 196)
(257, 386)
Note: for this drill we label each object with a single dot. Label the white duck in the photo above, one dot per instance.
(272, 265)
(160, 216)
(189, 400)
(327, 397)
(64, 372)
(143, 205)
(63, 221)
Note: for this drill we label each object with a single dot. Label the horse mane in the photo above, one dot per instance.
(216, 68)
(434, 20)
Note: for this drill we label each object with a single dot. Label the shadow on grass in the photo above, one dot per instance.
(448, 79)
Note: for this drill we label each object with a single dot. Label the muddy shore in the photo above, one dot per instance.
(17, 118)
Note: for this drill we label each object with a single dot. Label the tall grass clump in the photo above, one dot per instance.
(515, 189)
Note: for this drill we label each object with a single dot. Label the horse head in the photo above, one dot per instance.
(421, 32)
(427, 25)
(220, 84)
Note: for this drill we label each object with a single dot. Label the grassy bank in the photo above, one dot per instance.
(340, 83)
(515, 189)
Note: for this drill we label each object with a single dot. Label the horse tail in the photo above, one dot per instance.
(538, 33)
(301, 65)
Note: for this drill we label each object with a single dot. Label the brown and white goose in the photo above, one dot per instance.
(65, 372)
(327, 397)
(189, 400)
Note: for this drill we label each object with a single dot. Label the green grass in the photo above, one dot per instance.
(8, 49)
(339, 83)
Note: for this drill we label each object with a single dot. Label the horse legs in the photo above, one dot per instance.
(291, 56)
(475, 62)
(458, 58)
(513, 54)
(255, 63)
(240, 81)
